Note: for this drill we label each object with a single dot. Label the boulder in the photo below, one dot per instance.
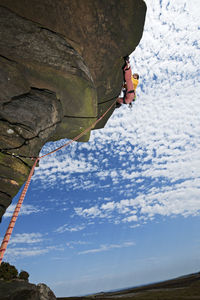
(22, 290)
(45, 292)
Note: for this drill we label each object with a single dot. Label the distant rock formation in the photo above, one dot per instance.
(22, 290)
(60, 68)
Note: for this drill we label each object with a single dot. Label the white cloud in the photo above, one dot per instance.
(91, 212)
(28, 245)
(104, 248)
(26, 238)
(26, 209)
(16, 252)
(72, 244)
(108, 210)
(130, 219)
(108, 206)
(69, 228)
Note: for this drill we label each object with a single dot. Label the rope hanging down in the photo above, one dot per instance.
(7, 236)
(15, 214)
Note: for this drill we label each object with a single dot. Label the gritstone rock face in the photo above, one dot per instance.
(60, 68)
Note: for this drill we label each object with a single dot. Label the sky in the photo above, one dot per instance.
(124, 208)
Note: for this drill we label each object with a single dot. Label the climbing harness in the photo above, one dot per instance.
(7, 236)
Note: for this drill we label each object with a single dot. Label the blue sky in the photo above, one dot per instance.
(124, 208)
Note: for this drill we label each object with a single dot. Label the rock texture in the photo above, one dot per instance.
(45, 292)
(60, 68)
(22, 290)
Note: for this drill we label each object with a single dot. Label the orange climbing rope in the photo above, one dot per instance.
(15, 214)
(7, 236)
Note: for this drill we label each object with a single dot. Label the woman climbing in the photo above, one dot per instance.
(128, 94)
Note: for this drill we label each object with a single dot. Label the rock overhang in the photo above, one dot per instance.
(60, 70)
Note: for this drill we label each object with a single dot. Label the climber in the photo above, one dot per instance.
(128, 94)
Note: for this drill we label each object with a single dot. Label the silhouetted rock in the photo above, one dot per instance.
(22, 290)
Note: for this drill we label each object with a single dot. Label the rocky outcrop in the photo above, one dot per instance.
(60, 68)
(22, 290)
